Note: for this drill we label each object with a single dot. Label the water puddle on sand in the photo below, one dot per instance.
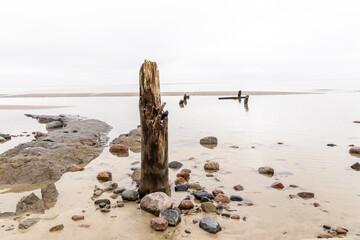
(247, 140)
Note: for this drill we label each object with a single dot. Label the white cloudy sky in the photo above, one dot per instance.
(92, 41)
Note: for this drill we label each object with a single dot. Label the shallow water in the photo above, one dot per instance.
(304, 123)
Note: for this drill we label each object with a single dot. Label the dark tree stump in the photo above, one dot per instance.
(154, 130)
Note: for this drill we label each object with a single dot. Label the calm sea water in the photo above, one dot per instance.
(221, 85)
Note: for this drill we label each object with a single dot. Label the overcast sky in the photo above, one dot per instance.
(93, 41)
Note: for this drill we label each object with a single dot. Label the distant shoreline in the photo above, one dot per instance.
(134, 94)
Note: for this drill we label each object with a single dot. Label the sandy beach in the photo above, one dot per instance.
(248, 139)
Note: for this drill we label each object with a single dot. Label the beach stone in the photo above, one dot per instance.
(159, 223)
(217, 192)
(84, 225)
(114, 196)
(208, 207)
(77, 217)
(306, 194)
(171, 216)
(185, 170)
(210, 225)
(356, 166)
(222, 198)
(5, 136)
(227, 215)
(130, 195)
(7, 214)
(102, 205)
(194, 186)
(109, 186)
(104, 176)
(325, 235)
(266, 170)
(238, 187)
(205, 199)
(293, 186)
(236, 198)
(25, 224)
(292, 196)
(99, 201)
(179, 181)
(211, 166)
(48, 157)
(75, 168)
(57, 228)
(131, 139)
(118, 190)
(136, 175)
(316, 204)
(181, 188)
(235, 217)
(30, 203)
(277, 185)
(49, 193)
(341, 230)
(177, 209)
(2, 140)
(184, 175)
(198, 195)
(175, 164)
(54, 124)
(155, 202)
(118, 148)
(209, 141)
(186, 204)
(355, 150)
(331, 145)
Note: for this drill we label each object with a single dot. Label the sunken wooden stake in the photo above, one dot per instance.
(154, 131)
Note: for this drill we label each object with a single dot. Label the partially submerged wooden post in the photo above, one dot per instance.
(154, 130)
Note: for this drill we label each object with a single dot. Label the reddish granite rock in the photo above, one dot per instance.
(118, 148)
(217, 192)
(316, 205)
(155, 202)
(227, 215)
(277, 185)
(222, 198)
(104, 176)
(75, 168)
(159, 223)
(186, 204)
(184, 175)
(340, 230)
(292, 196)
(77, 217)
(235, 217)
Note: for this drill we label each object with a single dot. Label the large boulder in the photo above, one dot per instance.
(48, 156)
(31, 204)
(155, 202)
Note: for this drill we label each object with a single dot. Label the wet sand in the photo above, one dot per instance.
(304, 124)
(27, 107)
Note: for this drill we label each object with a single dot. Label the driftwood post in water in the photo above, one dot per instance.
(154, 130)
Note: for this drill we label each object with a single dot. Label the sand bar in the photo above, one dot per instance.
(133, 94)
(27, 107)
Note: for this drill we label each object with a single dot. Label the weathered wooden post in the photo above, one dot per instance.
(154, 130)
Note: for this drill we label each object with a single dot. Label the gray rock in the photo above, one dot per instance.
(131, 139)
(266, 170)
(306, 194)
(355, 150)
(49, 193)
(106, 201)
(30, 203)
(181, 188)
(109, 186)
(25, 224)
(236, 198)
(209, 142)
(118, 190)
(130, 195)
(199, 195)
(210, 225)
(155, 202)
(7, 214)
(175, 164)
(46, 158)
(172, 216)
(54, 124)
(5, 136)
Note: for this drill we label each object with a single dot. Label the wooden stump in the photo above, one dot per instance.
(154, 130)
